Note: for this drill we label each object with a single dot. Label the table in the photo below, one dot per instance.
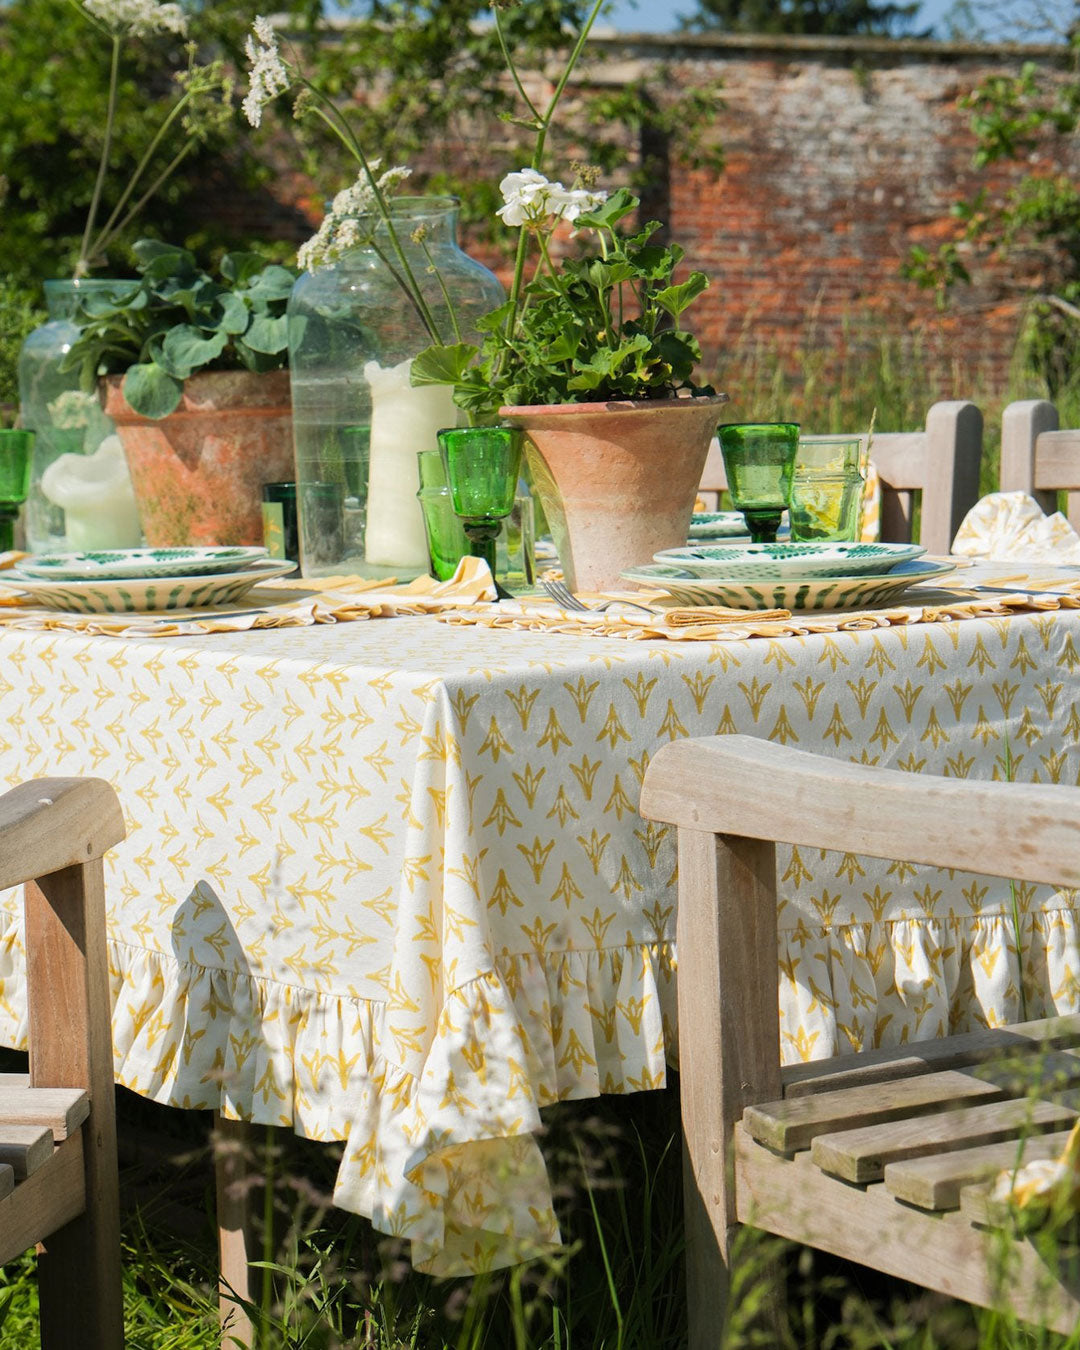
(386, 882)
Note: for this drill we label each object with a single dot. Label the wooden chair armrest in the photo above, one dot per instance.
(743, 786)
(48, 824)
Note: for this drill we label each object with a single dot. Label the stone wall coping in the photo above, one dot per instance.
(666, 44)
(661, 46)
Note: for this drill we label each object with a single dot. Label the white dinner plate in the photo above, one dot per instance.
(128, 595)
(783, 559)
(113, 564)
(786, 593)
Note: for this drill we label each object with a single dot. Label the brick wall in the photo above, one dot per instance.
(841, 154)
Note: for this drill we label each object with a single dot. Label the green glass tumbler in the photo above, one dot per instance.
(16, 451)
(826, 507)
(446, 538)
(759, 458)
(482, 466)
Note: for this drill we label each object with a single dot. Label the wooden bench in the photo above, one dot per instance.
(58, 1167)
(941, 462)
(885, 1158)
(1039, 457)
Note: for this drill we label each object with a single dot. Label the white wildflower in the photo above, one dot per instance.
(341, 229)
(140, 18)
(269, 73)
(530, 198)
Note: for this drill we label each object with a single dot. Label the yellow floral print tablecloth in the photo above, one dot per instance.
(386, 882)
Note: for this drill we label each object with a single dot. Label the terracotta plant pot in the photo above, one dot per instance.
(617, 481)
(198, 473)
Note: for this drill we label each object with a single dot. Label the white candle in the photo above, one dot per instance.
(404, 420)
(97, 498)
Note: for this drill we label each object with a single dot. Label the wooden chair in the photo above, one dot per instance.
(881, 1158)
(942, 462)
(58, 1167)
(1040, 459)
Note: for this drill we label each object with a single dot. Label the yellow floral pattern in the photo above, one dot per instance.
(386, 882)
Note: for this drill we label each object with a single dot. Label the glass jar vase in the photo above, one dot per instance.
(69, 422)
(358, 422)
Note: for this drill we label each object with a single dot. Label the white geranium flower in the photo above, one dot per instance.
(269, 73)
(341, 229)
(140, 18)
(576, 202)
(530, 198)
(525, 195)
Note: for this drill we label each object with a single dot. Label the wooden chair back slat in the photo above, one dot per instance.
(1039, 458)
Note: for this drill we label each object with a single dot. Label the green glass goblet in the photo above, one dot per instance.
(759, 458)
(482, 466)
(16, 449)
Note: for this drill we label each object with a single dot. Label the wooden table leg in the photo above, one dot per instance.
(232, 1158)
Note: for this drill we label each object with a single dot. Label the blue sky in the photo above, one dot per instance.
(661, 16)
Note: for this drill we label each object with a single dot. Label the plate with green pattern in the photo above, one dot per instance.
(126, 595)
(794, 593)
(122, 564)
(785, 559)
(707, 525)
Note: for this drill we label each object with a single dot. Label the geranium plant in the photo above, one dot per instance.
(600, 326)
(177, 319)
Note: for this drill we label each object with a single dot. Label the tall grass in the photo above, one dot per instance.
(835, 386)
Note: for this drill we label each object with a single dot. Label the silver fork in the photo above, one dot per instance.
(568, 600)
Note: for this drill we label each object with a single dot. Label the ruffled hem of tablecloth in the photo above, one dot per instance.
(858, 986)
(447, 1157)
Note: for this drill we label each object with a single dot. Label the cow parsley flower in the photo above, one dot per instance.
(139, 18)
(269, 73)
(341, 229)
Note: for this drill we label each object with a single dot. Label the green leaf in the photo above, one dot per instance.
(605, 275)
(266, 334)
(187, 348)
(148, 251)
(151, 391)
(608, 214)
(674, 299)
(235, 315)
(443, 365)
(273, 283)
(239, 268)
(606, 363)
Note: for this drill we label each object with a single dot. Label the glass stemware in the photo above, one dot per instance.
(16, 449)
(482, 466)
(759, 458)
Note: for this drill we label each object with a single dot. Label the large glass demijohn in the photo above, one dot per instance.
(357, 421)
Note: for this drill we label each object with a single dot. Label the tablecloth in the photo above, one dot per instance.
(386, 882)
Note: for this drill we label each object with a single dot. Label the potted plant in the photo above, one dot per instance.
(590, 359)
(192, 371)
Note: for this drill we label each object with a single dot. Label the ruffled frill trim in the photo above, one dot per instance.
(447, 1158)
(863, 985)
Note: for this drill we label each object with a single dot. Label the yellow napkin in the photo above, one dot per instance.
(1012, 525)
(695, 615)
(1043, 1191)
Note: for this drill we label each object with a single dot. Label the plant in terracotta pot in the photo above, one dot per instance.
(588, 355)
(192, 371)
